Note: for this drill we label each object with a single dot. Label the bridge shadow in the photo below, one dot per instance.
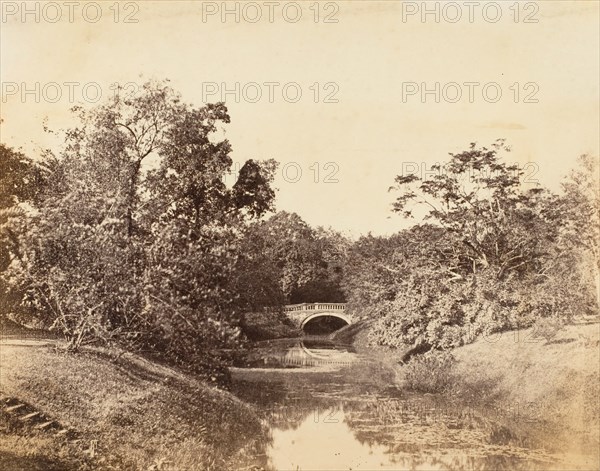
(323, 325)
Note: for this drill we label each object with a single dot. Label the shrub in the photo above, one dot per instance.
(432, 372)
(267, 325)
(547, 328)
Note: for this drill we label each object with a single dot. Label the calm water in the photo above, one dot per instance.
(328, 408)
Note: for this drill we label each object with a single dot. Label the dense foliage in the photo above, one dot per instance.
(22, 185)
(299, 263)
(491, 254)
(136, 237)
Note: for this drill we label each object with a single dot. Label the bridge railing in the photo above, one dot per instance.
(315, 307)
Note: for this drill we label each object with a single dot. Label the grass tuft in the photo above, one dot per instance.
(432, 372)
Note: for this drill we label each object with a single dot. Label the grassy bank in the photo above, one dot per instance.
(122, 412)
(548, 389)
(557, 380)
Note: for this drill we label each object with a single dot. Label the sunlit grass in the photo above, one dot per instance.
(127, 415)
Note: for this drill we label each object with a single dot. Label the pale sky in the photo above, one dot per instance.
(373, 53)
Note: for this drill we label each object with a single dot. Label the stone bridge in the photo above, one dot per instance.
(301, 314)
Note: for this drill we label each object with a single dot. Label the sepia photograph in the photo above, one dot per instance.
(311, 235)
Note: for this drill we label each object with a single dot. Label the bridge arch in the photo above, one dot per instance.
(302, 314)
(339, 315)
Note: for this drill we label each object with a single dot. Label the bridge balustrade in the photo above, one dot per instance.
(316, 307)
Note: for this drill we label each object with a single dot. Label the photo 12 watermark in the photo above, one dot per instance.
(294, 172)
(270, 92)
(271, 12)
(470, 12)
(404, 412)
(69, 12)
(71, 92)
(470, 92)
(427, 172)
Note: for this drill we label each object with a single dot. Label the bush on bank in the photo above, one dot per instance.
(432, 372)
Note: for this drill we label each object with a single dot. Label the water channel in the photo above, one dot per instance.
(329, 408)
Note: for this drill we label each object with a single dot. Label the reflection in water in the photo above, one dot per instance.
(324, 442)
(305, 352)
(348, 417)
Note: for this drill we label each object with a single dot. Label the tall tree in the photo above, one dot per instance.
(483, 200)
(137, 240)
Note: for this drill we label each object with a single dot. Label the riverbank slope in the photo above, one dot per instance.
(556, 381)
(117, 412)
